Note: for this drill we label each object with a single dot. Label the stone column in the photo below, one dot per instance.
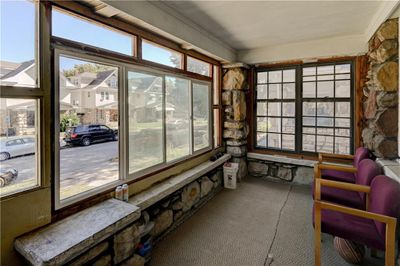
(381, 92)
(234, 90)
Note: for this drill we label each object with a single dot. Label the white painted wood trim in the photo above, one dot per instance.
(390, 168)
(385, 11)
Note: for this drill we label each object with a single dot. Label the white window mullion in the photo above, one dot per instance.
(164, 118)
(191, 118)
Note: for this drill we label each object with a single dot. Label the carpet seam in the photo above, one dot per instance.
(276, 227)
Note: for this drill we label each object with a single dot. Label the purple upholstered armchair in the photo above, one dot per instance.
(375, 228)
(339, 175)
(367, 171)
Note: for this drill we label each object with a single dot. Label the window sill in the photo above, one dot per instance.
(281, 159)
(166, 188)
(62, 241)
(390, 168)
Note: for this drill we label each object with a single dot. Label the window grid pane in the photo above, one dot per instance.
(326, 106)
(276, 94)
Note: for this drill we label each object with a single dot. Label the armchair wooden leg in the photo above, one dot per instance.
(317, 233)
(390, 244)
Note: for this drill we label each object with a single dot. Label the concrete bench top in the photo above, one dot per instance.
(62, 241)
(166, 188)
(281, 159)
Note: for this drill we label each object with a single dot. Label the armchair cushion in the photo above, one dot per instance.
(384, 199)
(351, 227)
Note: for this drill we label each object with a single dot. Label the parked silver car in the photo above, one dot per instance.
(16, 146)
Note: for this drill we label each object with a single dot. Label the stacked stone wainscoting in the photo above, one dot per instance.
(174, 209)
(381, 92)
(120, 242)
(165, 215)
(120, 249)
(281, 172)
(234, 93)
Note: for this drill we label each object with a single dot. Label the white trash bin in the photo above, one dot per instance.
(230, 175)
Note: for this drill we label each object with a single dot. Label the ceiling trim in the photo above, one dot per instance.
(321, 48)
(384, 12)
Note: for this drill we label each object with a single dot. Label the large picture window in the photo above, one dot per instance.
(168, 119)
(306, 108)
(87, 128)
(118, 119)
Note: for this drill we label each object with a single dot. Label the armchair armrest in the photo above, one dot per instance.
(389, 221)
(319, 166)
(356, 212)
(334, 157)
(340, 185)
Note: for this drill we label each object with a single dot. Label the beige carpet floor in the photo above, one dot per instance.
(243, 226)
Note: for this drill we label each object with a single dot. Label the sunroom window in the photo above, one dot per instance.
(20, 100)
(161, 55)
(19, 145)
(197, 66)
(78, 29)
(18, 26)
(305, 109)
(87, 131)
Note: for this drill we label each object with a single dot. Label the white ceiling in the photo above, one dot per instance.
(246, 25)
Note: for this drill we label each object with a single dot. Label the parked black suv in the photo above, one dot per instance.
(87, 134)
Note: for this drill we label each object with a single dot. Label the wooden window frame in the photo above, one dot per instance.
(356, 68)
(136, 62)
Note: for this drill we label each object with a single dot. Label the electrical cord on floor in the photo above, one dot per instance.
(269, 259)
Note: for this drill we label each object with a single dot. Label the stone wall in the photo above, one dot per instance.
(234, 92)
(171, 211)
(155, 222)
(381, 92)
(281, 172)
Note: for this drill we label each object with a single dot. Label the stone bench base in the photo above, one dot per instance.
(280, 168)
(109, 233)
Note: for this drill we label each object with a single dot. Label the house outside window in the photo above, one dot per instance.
(305, 108)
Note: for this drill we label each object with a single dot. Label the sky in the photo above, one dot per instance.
(18, 34)
(17, 31)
